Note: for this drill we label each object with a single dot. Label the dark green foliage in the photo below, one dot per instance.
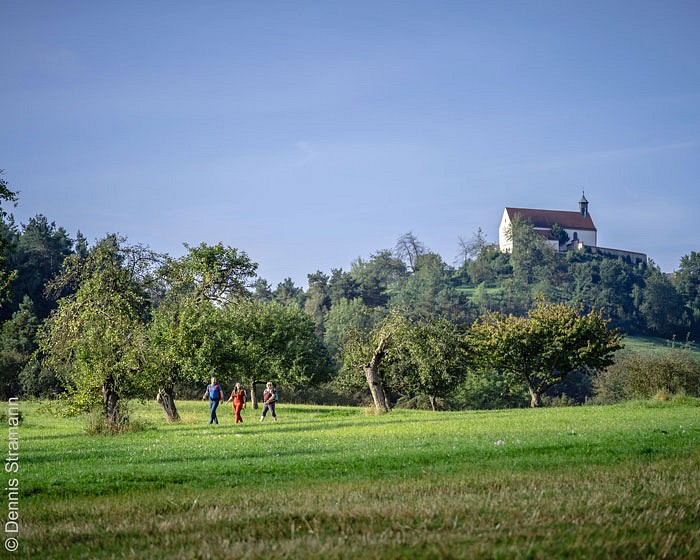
(348, 320)
(645, 375)
(430, 293)
(184, 333)
(660, 307)
(687, 283)
(533, 259)
(317, 301)
(37, 380)
(426, 357)
(7, 274)
(40, 251)
(575, 388)
(376, 276)
(430, 357)
(559, 233)
(216, 273)
(328, 393)
(270, 341)
(95, 339)
(5, 194)
(342, 286)
(489, 389)
(287, 293)
(17, 343)
(21, 370)
(490, 266)
(262, 290)
(541, 350)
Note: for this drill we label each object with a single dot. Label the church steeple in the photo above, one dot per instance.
(583, 204)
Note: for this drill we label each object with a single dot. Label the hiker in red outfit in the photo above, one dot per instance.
(238, 398)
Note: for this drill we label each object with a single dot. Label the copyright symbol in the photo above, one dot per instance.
(11, 544)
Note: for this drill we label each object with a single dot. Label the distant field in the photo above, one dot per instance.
(582, 482)
(639, 344)
(469, 291)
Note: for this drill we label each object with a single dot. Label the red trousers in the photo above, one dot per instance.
(237, 406)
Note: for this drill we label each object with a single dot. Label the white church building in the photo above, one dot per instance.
(583, 235)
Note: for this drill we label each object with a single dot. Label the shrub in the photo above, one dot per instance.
(422, 402)
(324, 394)
(96, 424)
(609, 385)
(559, 400)
(648, 375)
(39, 381)
(488, 389)
(4, 416)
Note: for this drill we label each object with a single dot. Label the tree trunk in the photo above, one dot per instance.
(111, 401)
(534, 388)
(432, 399)
(373, 380)
(166, 400)
(375, 388)
(253, 396)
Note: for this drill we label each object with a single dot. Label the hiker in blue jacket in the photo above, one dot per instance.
(215, 395)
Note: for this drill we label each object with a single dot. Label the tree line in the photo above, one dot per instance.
(102, 323)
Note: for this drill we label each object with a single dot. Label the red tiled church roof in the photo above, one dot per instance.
(547, 218)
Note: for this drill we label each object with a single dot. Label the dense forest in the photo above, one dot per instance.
(209, 313)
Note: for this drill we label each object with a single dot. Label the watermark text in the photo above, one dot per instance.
(12, 523)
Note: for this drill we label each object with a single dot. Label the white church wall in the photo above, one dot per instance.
(504, 244)
(588, 238)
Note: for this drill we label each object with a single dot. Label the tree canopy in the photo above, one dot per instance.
(540, 350)
(96, 337)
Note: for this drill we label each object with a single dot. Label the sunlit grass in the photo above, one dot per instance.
(325, 482)
(654, 345)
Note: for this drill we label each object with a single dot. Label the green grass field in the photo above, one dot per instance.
(654, 345)
(583, 482)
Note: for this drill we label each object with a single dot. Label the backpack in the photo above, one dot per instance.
(214, 391)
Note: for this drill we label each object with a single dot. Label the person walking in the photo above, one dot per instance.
(269, 400)
(238, 397)
(215, 395)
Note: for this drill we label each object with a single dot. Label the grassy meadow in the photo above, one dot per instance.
(582, 482)
(654, 345)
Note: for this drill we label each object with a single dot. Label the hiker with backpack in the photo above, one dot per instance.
(269, 400)
(215, 395)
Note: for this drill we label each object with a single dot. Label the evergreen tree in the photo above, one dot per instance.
(687, 282)
(376, 276)
(317, 301)
(41, 249)
(287, 293)
(6, 274)
(660, 305)
(17, 344)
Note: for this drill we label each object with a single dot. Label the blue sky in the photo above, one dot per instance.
(312, 133)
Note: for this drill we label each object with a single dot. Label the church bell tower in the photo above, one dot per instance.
(583, 205)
